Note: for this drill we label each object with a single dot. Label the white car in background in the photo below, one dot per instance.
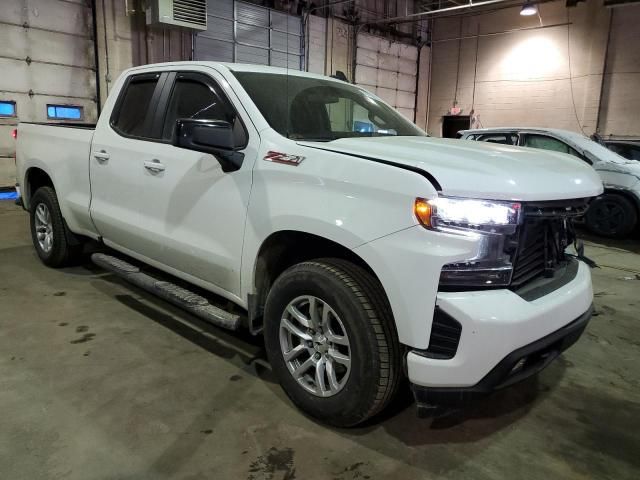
(612, 214)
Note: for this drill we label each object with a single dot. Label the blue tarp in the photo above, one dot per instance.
(8, 195)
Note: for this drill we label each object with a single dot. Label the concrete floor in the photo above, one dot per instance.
(101, 381)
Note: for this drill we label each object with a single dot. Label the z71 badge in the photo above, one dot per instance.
(285, 158)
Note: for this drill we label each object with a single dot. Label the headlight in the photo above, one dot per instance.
(494, 224)
(466, 213)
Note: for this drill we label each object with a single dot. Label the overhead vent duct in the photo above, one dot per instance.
(436, 6)
(182, 13)
(620, 3)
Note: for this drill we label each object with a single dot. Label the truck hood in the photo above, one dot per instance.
(480, 170)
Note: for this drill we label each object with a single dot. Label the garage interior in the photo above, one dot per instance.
(99, 379)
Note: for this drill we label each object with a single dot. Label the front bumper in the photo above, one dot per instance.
(496, 323)
(518, 365)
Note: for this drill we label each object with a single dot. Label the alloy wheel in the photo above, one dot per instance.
(315, 346)
(44, 227)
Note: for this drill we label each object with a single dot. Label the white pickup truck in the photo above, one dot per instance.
(363, 250)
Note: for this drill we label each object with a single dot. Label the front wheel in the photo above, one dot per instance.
(611, 215)
(331, 341)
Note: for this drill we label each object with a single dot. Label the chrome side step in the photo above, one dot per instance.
(181, 297)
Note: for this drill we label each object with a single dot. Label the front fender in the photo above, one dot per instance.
(349, 201)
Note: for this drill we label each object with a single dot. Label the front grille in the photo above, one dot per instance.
(546, 231)
(445, 336)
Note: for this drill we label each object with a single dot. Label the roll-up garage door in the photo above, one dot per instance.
(47, 64)
(389, 70)
(245, 33)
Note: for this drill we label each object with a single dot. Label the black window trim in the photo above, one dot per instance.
(149, 120)
(160, 98)
(197, 75)
(480, 135)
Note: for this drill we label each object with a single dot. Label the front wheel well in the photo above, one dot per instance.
(284, 249)
(635, 201)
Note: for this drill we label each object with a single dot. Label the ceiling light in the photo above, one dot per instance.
(529, 9)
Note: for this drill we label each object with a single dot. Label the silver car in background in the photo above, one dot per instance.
(613, 214)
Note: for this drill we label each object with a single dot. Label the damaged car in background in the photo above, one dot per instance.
(615, 212)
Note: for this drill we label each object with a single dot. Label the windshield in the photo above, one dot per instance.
(596, 150)
(313, 109)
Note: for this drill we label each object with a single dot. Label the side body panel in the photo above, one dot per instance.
(63, 153)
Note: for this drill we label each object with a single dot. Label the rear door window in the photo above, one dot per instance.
(545, 142)
(505, 138)
(133, 114)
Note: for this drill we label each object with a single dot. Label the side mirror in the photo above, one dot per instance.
(209, 136)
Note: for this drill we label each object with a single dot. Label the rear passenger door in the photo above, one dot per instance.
(120, 146)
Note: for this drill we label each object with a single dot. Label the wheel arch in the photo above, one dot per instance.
(283, 249)
(628, 194)
(34, 178)
(621, 229)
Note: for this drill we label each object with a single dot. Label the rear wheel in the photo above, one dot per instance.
(48, 230)
(611, 215)
(331, 341)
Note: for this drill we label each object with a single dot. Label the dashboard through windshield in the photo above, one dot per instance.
(313, 109)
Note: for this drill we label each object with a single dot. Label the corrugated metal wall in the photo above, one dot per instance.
(245, 33)
(46, 56)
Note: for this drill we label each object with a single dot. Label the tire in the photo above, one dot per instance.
(45, 214)
(356, 299)
(611, 215)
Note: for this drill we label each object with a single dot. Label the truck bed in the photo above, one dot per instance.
(62, 151)
(86, 126)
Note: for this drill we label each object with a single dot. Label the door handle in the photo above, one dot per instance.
(101, 156)
(154, 166)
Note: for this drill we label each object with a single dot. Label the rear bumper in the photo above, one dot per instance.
(518, 365)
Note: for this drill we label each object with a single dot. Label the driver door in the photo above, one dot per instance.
(194, 213)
